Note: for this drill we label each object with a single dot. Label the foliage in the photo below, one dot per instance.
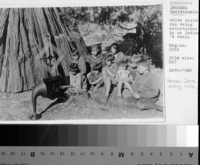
(113, 14)
(147, 18)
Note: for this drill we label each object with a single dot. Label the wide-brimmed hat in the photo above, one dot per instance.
(97, 66)
(73, 67)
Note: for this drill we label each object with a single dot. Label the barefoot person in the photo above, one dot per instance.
(132, 65)
(50, 88)
(123, 77)
(145, 88)
(109, 73)
(132, 68)
(111, 61)
(95, 77)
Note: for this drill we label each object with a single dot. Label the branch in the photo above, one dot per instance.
(125, 28)
(114, 32)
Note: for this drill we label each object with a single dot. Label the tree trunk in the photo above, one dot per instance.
(25, 49)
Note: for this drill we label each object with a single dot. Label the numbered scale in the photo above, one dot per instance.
(98, 156)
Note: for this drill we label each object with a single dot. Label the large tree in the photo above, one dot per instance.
(35, 43)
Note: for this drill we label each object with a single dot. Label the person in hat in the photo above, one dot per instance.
(95, 77)
(146, 89)
(77, 80)
(76, 58)
(123, 77)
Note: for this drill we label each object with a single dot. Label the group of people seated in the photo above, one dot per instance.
(131, 74)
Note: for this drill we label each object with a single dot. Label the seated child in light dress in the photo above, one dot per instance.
(123, 77)
(77, 80)
(95, 77)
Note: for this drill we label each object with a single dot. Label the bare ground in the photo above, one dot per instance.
(18, 107)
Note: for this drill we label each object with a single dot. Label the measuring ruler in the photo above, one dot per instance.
(98, 156)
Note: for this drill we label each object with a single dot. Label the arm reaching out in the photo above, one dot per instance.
(97, 81)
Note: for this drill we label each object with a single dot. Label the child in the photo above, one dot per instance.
(95, 77)
(77, 80)
(109, 73)
(95, 56)
(132, 66)
(145, 87)
(123, 76)
(76, 58)
(119, 56)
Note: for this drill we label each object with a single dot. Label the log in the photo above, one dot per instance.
(26, 50)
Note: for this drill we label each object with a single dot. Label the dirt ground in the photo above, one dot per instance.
(18, 107)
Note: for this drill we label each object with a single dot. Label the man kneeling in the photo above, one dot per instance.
(145, 88)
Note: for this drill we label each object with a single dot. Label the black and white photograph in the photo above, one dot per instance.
(82, 63)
